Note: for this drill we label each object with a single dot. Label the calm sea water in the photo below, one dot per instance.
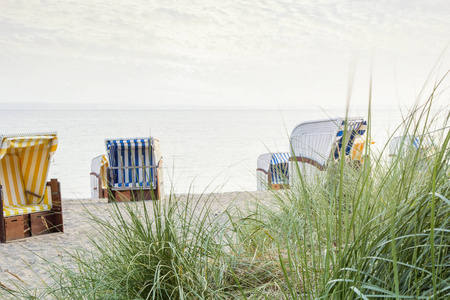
(205, 150)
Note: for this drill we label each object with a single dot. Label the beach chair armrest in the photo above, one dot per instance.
(95, 174)
(262, 170)
(33, 194)
(307, 160)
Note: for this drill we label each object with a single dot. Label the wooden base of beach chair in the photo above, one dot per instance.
(280, 186)
(103, 193)
(133, 195)
(146, 195)
(19, 227)
(123, 196)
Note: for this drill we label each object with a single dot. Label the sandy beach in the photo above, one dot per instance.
(25, 260)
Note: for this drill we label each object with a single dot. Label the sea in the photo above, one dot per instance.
(203, 150)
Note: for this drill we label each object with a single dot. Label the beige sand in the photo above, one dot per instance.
(26, 258)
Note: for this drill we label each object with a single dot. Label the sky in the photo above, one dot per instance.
(266, 54)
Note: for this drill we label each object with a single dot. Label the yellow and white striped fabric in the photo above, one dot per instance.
(9, 211)
(357, 152)
(103, 166)
(11, 180)
(24, 166)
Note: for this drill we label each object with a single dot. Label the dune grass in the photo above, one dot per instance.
(380, 231)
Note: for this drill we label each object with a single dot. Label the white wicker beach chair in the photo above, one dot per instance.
(29, 205)
(315, 143)
(99, 187)
(409, 145)
(273, 171)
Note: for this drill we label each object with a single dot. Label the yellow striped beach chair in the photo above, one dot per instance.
(30, 206)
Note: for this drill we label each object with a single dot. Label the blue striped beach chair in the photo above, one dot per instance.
(273, 171)
(315, 143)
(30, 206)
(135, 169)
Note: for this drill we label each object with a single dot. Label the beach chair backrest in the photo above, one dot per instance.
(314, 140)
(132, 162)
(25, 161)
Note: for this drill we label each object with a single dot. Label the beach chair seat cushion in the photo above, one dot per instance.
(18, 210)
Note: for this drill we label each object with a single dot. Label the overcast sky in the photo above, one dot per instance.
(218, 53)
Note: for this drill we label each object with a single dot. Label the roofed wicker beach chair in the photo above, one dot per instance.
(401, 146)
(30, 205)
(315, 143)
(273, 171)
(99, 188)
(135, 170)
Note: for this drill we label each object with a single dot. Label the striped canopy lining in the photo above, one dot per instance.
(132, 153)
(24, 166)
(355, 128)
(279, 168)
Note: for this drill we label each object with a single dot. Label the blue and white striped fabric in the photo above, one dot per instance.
(279, 168)
(416, 143)
(131, 154)
(355, 128)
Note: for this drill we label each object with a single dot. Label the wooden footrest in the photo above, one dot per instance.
(131, 195)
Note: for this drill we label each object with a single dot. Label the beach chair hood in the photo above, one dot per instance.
(314, 140)
(30, 155)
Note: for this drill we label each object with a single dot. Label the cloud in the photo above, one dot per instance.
(201, 51)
